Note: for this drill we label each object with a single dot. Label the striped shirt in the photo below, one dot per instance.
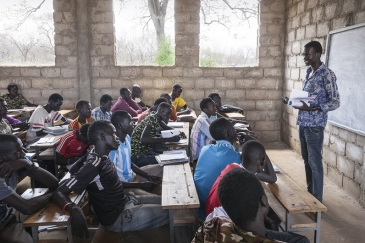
(76, 125)
(41, 119)
(200, 135)
(70, 146)
(121, 159)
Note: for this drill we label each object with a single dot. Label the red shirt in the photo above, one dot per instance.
(212, 199)
(70, 146)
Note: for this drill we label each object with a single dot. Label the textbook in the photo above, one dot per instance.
(169, 133)
(172, 157)
(57, 130)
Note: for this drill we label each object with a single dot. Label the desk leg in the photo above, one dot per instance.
(172, 238)
(69, 232)
(55, 162)
(317, 231)
(35, 234)
(287, 224)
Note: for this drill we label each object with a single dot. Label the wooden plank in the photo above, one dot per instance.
(292, 197)
(69, 113)
(183, 216)
(191, 117)
(47, 154)
(300, 226)
(178, 188)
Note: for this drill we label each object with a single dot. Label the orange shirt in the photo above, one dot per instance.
(173, 113)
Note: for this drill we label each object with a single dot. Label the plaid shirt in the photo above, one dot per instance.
(98, 114)
(322, 85)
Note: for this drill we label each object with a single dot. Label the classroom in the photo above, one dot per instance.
(85, 68)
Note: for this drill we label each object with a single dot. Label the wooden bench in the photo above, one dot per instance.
(298, 209)
(51, 214)
(233, 115)
(179, 196)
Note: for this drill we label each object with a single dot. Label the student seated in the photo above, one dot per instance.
(167, 96)
(13, 208)
(5, 127)
(83, 108)
(14, 99)
(214, 158)
(116, 211)
(177, 100)
(246, 206)
(224, 108)
(147, 134)
(151, 110)
(103, 112)
(126, 103)
(44, 116)
(136, 96)
(72, 146)
(135, 179)
(255, 160)
(200, 135)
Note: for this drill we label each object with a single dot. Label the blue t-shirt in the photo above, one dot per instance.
(212, 160)
(6, 189)
(121, 159)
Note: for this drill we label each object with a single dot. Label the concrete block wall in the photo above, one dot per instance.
(85, 64)
(343, 151)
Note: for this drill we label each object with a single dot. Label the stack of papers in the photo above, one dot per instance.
(45, 140)
(240, 125)
(176, 124)
(56, 130)
(172, 157)
(297, 95)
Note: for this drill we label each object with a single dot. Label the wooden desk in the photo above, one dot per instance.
(293, 205)
(52, 144)
(69, 113)
(233, 115)
(191, 117)
(52, 215)
(20, 112)
(179, 196)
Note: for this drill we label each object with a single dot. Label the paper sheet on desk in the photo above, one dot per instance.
(172, 156)
(45, 140)
(175, 124)
(181, 141)
(297, 95)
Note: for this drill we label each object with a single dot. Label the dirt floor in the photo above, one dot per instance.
(343, 222)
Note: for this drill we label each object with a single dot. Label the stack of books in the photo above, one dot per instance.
(172, 157)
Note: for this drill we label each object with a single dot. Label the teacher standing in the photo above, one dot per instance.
(320, 82)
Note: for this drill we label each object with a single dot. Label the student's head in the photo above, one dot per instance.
(167, 97)
(312, 52)
(222, 129)
(125, 94)
(176, 90)
(207, 105)
(83, 108)
(11, 148)
(83, 133)
(55, 101)
(164, 111)
(3, 108)
(136, 91)
(106, 102)
(253, 156)
(122, 121)
(13, 89)
(102, 133)
(242, 197)
(157, 103)
(216, 98)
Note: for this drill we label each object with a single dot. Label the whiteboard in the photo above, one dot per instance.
(345, 56)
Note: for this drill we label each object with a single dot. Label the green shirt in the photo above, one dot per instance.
(15, 103)
(137, 146)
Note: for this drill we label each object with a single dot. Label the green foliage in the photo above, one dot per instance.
(207, 62)
(165, 55)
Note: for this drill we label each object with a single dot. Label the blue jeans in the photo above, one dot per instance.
(311, 142)
(288, 237)
(140, 212)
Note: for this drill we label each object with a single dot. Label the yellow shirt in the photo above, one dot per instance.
(179, 102)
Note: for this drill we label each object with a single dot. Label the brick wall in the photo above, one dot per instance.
(343, 151)
(85, 64)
